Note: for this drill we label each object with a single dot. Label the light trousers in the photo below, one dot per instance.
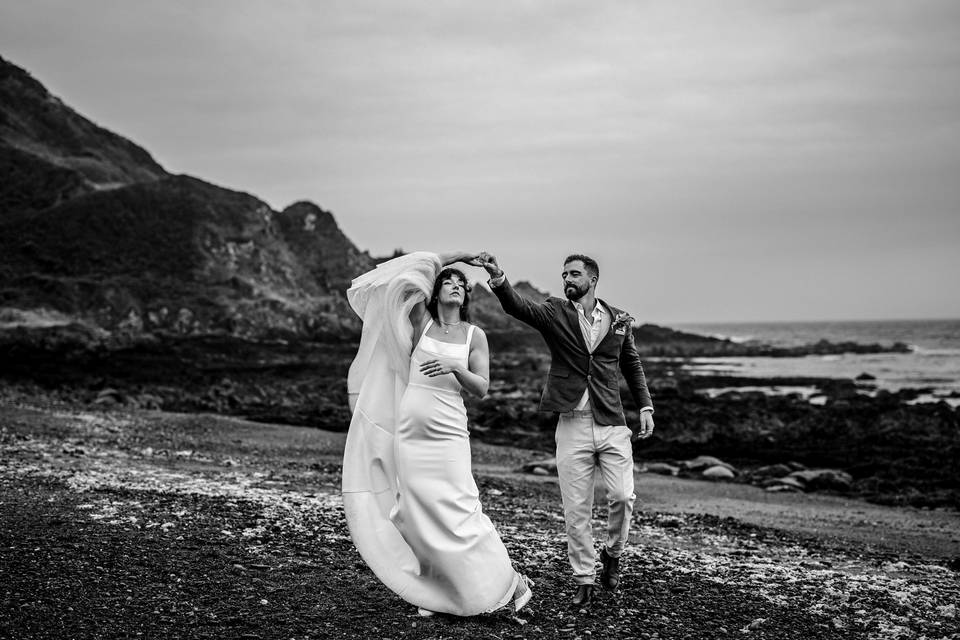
(582, 447)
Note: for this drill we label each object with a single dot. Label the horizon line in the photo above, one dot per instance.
(810, 321)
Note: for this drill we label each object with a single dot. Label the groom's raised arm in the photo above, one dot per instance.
(537, 315)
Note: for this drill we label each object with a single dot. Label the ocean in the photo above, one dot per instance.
(932, 365)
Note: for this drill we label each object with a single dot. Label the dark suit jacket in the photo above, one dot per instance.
(572, 366)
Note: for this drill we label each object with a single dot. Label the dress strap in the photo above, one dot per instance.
(423, 333)
(470, 333)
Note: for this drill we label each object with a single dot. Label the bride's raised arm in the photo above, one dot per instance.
(460, 256)
(418, 316)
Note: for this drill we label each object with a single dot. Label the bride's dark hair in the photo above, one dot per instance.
(444, 275)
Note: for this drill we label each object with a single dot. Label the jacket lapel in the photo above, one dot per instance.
(613, 311)
(573, 319)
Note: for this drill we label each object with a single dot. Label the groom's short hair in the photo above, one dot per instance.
(591, 265)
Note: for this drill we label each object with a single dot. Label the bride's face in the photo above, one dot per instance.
(452, 291)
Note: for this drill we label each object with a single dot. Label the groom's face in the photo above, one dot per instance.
(576, 280)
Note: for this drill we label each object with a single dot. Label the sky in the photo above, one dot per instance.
(747, 160)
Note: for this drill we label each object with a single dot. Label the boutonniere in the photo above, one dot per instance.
(622, 322)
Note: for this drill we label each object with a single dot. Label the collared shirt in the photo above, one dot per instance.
(593, 328)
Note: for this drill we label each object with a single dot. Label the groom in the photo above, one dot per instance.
(589, 342)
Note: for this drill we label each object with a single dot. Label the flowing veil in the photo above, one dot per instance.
(383, 298)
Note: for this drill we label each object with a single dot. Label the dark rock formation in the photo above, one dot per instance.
(93, 230)
(48, 150)
(175, 255)
(329, 257)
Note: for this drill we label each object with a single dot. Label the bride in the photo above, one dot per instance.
(410, 499)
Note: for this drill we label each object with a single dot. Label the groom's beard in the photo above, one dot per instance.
(573, 292)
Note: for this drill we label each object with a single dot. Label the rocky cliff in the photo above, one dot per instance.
(95, 234)
(50, 153)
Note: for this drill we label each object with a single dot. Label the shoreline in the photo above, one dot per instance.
(302, 383)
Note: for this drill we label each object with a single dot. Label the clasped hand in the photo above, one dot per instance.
(434, 368)
(489, 262)
(483, 259)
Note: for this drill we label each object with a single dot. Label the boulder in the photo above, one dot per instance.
(824, 479)
(771, 471)
(659, 467)
(785, 484)
(782, 487)
(149, 401)
(107, 401)
(109, 397)
(839, 389)
(704, 462)
(544, 467)
(718, 472)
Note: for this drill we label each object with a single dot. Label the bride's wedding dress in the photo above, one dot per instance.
(410, 499)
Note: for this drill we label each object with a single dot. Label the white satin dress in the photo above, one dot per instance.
(410, 498)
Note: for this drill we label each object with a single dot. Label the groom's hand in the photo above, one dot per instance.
(489, 262)
(645, 430)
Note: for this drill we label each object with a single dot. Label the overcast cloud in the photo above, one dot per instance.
(747, 160)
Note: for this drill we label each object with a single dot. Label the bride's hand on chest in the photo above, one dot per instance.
(439, 367)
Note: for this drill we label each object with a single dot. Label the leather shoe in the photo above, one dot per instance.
(610, 575)
(583, 596)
